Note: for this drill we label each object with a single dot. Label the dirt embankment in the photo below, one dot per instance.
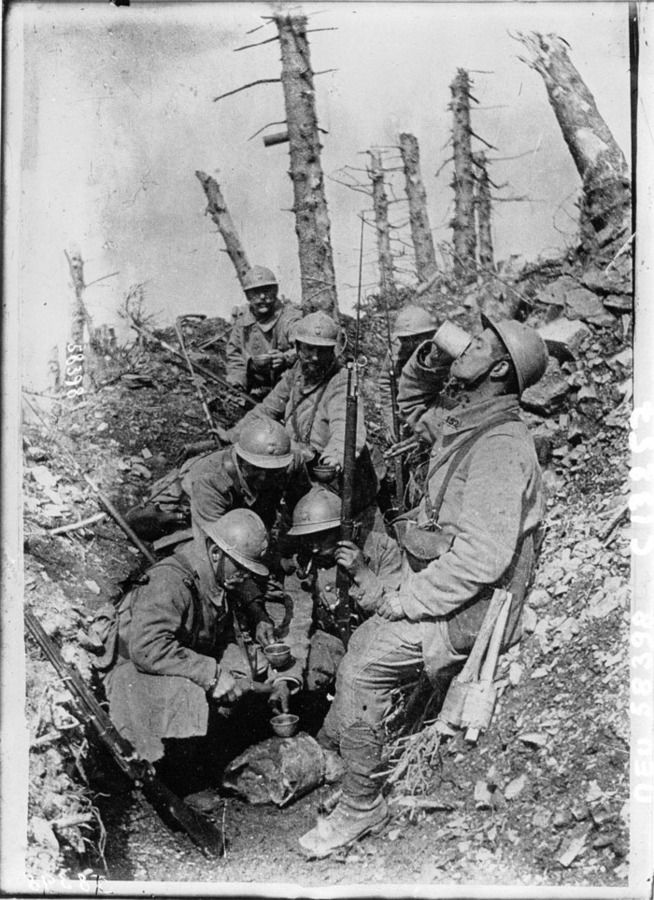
(540, 799)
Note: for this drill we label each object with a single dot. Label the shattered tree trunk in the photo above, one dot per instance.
(463, 224)
(483, 211)
(423, 242)
(606, 201)
(380, 205)
(310, 204)
(217, 209)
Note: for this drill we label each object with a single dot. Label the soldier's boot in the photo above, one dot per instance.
(343, 826)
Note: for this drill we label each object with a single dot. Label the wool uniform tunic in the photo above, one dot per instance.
(312, 632)
(249, 337)
(216, 485)
(175, 636)
(314, 417)
(492, 506)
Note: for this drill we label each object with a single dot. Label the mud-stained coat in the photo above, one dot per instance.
(492, 504)
(216, 485)
(313, 415)
(175, 636)
(249, 338)
(314, 418)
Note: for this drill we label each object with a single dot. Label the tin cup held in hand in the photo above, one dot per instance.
(278, 655)
(451, 339)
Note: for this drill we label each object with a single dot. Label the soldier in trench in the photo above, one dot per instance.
(260, 347)
(413, 326)
(310, 402)
(474, 530)
(251, 474)
(187, 652)
(372, 560)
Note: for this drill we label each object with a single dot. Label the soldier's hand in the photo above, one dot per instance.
(228, 689)
(350, 558)
(221, 434)
(279, 698)
(390, 608)
(264, 634)
(278, 360)
(328, 460)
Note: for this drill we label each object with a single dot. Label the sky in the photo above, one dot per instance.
(111, 112)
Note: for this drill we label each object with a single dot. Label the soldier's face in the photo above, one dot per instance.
(478, 358)
(228, 571)
(257, 477)
(262, 301)
(322, 545)
(315, 361)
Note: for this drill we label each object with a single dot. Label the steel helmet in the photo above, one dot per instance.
(242, 536)
(525, 346)
(413, 320)
(265, 444)
(319, 510)
(257, 277)
(317, 329)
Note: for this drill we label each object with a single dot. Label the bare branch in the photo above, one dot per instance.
(440, 168)
(474, 134)
(325, 71)
(275, 37)
(519, 156)
(269, 125)
(111, 275)
(246, 86)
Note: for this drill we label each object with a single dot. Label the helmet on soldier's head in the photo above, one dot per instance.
(258, 277)
(264, 443)
(319, 510)
(413, 320)
(317, 329)
(527, 349)
(242, 536)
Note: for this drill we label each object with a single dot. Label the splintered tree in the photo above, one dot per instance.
(463, 224)
(482, 203)
(217, 209)
(310, 203)
(380, 206)
(606, 199)
(421, 235)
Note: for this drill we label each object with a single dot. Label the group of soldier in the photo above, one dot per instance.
(258, 563)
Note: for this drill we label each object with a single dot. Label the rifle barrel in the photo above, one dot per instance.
(204, 834)
(243, 398)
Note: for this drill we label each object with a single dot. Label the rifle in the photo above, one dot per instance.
(237, 395)
(172, 809)
(400, 486)
(343, 612)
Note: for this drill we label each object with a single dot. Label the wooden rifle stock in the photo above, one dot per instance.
(172, 809)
